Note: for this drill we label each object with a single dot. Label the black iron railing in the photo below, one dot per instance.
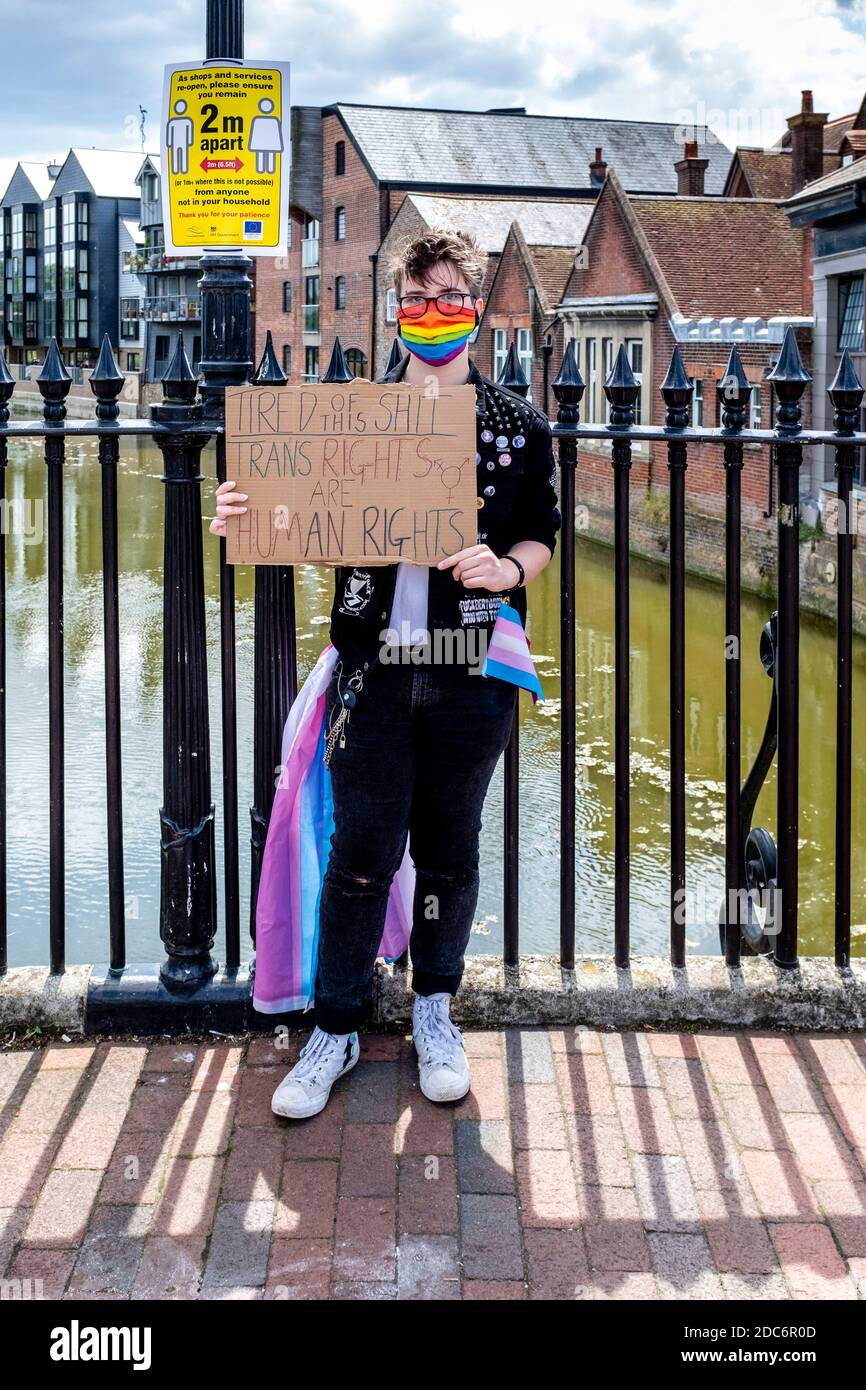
(760, 872)
(190, 415)
(190, 984)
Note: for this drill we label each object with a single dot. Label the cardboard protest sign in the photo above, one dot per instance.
(363, 473)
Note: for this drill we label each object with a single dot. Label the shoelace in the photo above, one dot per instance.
(436, 1033)
(321, 1049)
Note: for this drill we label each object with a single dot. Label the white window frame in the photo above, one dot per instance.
(606, 369)
(697, 383)
(755, 404)
(525, 355)
(391, 305)
(591, 380)
(500, 351)
(630, 345)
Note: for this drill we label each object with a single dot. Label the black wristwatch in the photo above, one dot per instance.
(521, 572)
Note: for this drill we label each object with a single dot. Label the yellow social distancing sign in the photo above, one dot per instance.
(226, 151)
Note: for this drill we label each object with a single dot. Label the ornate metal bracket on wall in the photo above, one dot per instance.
(756, 905)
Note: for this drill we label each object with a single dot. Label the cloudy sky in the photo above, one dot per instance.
(76, 71)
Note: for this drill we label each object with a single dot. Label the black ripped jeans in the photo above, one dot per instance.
(421, 747)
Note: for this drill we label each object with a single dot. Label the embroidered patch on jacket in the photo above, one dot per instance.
(357, 592)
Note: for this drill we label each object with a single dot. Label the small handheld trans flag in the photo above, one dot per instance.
(508, 657)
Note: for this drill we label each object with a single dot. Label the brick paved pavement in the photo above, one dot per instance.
(582, 1165)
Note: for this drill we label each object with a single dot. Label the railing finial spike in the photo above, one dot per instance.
(676, 392)
(733, 390)
(789, 375)
(54, 368)
(337, 370)
(179, 382)
(54, 382)
(106, 368)
(621, 377)
(568, 378)
(512, 376)
(846, 392)
(622, 389)
(790, 379)
(106, 382)
(269, 372)
(395, 357)
(846, 379)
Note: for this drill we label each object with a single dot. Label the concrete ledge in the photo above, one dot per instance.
(816, 996)
(31, 998)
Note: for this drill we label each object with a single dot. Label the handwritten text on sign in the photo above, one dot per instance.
(363, 473)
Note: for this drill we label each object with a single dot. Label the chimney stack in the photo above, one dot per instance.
(597, 169)
(807, 143)
(690, 172)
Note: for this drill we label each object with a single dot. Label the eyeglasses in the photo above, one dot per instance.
(451, 302)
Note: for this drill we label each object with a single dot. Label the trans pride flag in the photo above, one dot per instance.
(296, 856)
(508, 657)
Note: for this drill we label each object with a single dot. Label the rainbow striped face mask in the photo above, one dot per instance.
(436, 337)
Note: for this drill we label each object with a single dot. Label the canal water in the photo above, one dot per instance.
(140, 532)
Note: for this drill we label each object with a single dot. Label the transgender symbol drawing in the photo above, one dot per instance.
(450, 474)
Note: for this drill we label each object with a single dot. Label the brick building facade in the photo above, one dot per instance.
(352, 168)
(521, 307)
(644, 283)
(529, 248)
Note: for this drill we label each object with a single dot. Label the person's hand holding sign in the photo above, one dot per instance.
(478, 567)
(227, 505)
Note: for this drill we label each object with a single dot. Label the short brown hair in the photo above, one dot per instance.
(416, 258)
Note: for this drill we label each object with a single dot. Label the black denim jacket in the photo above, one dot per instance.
(516, 477)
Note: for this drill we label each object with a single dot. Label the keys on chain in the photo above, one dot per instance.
(336, 734)
(348, 699)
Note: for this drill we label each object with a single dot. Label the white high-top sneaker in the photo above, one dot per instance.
(323, 1060)
(442, 1065)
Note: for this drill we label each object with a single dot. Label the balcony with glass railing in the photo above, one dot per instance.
(310, 252)
(171, 307)
(311, 318)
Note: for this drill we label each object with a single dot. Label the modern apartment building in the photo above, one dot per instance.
(70, 233)
(171, 301)
(22, 245)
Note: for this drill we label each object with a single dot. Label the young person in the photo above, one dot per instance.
(416, 745)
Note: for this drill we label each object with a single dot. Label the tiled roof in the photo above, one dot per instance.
(768, 172)
(545, 222)
(725, 256)
(406, 146)
(835, 132)
(553, 266)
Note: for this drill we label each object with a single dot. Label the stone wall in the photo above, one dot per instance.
(705, 547)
